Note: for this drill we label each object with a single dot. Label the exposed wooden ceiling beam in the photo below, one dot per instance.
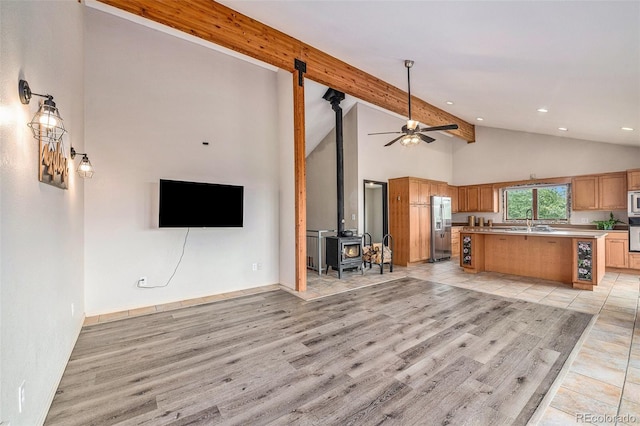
(221, 25)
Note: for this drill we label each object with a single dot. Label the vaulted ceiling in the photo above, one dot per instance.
(497, 60)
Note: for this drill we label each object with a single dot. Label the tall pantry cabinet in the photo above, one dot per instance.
(410, 219)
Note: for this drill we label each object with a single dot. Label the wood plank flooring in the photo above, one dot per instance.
(403, 352)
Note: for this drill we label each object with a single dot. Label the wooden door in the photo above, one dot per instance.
(613, 191)
(584, 191)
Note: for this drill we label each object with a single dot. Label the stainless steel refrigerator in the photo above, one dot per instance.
(440, 228)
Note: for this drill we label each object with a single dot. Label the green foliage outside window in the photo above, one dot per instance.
(545, 202)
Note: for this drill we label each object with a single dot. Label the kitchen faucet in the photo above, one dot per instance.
(529, 219)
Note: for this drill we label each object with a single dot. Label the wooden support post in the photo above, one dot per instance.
(300, 179)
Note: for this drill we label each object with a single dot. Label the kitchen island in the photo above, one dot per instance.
(568, 256)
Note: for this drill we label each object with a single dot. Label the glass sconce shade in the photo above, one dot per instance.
(47, 123)
(85, 169)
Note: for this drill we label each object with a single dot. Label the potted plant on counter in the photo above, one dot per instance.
(607, 224)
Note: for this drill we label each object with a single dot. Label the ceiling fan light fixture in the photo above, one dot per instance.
(409, 140)
(411, 134)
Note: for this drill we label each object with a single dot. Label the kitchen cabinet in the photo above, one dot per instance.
(419, 191)
(599, 192)
(419, 233)
(462, 199)
(584, 191)
(455, 240)
(473, 198)
(488, 199)
(633, 180)
(410, 219)
(616, 246)
(478, 198)
(453, 193)
(440, 188)
(634, 260)
(612, 192)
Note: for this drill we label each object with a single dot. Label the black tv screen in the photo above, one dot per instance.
(194, 204)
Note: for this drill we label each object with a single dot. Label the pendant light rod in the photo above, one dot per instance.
(409, 63)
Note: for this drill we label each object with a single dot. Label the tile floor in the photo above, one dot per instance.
(602, 384)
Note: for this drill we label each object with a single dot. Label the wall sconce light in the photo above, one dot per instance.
(85, 169)
(47, 123)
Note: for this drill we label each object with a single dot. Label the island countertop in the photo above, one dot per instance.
(559, 232)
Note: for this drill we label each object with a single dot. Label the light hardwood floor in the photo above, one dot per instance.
(405, 352)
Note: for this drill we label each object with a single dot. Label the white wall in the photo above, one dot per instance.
(151, 99)
(503, 155)
(41, 263)
(287, 180)
(321, 177)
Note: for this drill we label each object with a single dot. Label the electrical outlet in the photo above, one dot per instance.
(353, 216)
(584, 220)
(254, 266)
(21, 397)
(142, 282)
(259, 266)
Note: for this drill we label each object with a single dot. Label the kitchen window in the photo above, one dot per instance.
(542, 202)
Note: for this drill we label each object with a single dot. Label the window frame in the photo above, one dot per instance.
(534, 194)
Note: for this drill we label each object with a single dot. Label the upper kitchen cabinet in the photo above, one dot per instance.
(633, 180)
(478, 198)
(453, 193)
(488, 199)
(440, 189)
(419, 191)
(600, 192)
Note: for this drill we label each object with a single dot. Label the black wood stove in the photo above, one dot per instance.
(344, 251)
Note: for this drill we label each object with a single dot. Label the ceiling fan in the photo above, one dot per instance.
(411, 133)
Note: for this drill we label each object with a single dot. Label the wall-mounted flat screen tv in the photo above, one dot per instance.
(205, 205)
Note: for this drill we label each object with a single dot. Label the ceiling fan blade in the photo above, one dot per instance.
(434, 128)
(385, 133)
(395, 140)
(427, 139)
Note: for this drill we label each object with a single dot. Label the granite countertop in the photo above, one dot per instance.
(520, 230)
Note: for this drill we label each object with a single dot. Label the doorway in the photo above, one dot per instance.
(376, 221)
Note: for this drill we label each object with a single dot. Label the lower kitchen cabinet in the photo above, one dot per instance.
(616, 246)
(455, 240)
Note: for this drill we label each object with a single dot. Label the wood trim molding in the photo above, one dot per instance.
(221, 25)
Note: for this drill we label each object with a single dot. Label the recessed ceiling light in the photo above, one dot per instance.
(563, 129)
(449, 103)
(629, 129)
(480, 119)
(543, 110)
